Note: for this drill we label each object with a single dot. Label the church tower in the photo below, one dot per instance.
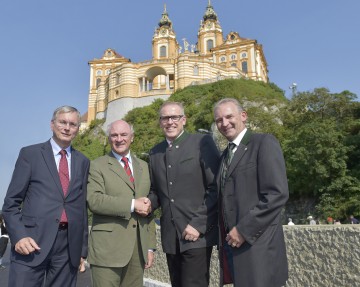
(164, 44)
(210, 34)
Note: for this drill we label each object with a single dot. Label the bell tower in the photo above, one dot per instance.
(164, 44)
(210, 33)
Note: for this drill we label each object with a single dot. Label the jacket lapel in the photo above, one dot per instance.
(241, 150)
(74, 163)
(137, 170)
(117, 168)
(49, 159)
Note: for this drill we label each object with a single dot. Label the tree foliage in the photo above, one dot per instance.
(319, 150)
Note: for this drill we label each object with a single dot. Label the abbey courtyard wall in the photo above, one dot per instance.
(318, 256)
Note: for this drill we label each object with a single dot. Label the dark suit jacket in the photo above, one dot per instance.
(35, 200)
(114, 229)
(255, 192)
(182, 177)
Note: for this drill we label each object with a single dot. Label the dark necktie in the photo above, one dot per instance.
(64, 179)
(127, 169)
(226, 163)
(225, 250)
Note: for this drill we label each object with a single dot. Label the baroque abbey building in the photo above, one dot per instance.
(118, 85)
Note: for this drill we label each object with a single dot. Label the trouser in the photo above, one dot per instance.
(190, 268)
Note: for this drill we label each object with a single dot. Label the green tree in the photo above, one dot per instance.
(317, 145)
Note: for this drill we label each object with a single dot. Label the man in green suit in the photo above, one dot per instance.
(122, 237)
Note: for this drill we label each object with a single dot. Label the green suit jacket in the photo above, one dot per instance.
(114, 229)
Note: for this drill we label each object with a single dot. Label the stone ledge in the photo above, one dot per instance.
(318, 256)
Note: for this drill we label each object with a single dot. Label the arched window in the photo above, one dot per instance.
(244, 67)
(163, 51)
(196, 70)
(209, 45)
(233, 64)
(98, 73)
(233, 57)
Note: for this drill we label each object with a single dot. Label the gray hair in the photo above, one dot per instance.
(180, 105)
(110, 126)
(228, 100)
(66, 109)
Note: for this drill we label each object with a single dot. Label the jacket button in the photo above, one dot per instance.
(172, 200)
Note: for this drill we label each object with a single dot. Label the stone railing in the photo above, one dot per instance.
(318, 256)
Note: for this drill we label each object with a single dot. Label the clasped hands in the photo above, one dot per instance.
(142, 206)
(190, 233)
(234, 238)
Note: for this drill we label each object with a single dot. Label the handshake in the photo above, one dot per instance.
(142, 206)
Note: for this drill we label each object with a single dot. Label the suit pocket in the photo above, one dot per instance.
(28, 221)
(103, 227)
(186, 160)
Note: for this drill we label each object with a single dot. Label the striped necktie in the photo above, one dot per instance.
(64, 179)
(127, 169)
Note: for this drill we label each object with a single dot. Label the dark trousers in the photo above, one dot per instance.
(55, 271)
(189, 268)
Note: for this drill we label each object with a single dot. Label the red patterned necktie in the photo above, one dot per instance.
(127, 169)
(64, 179)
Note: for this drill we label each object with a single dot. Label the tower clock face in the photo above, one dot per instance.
(208, 25)
(163, 32)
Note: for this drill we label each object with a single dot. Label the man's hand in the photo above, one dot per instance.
(150, 261)
(190, 233)
(142, 206)
(82, 267)
(234, 238)
(26, 245)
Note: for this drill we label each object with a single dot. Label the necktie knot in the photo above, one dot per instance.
(63, 152)
(231, 147)
(125, 160)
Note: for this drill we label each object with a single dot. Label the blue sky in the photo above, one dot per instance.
(45, 47)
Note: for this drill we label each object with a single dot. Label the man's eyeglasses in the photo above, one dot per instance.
(64, 124)
(175, 118)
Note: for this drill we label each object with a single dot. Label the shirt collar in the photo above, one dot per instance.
(240, 136)
(56, 148)
(119, 157)
(171, 142)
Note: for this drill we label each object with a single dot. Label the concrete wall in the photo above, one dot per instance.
(318, 255)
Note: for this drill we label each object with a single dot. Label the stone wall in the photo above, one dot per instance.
(318, 256)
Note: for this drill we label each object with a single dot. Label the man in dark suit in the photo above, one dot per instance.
(45, 208)
(253, 189)
(122, 238)
(182, 171)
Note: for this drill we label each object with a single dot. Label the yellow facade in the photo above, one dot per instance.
(117, 85)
